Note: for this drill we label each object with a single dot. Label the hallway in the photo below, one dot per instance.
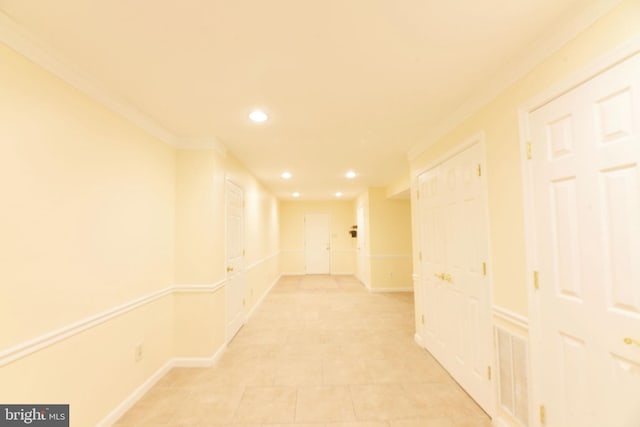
(321, 351)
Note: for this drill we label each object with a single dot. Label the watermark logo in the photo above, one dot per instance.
(34, 415)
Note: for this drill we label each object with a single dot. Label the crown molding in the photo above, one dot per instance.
(17, 38)
(202, 144)
(514, 71)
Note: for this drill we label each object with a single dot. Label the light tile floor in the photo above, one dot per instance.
(320, 351)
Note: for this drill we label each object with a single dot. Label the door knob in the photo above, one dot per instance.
(444, 276)
(229, 269)
(630, 341)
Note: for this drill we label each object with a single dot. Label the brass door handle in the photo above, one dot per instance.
(630, 341)
(444, 276)
(229, 269)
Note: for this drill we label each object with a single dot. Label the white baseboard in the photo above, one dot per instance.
(418, 339)
(261, 299)
(500, 422)
(403, 289)
(177, 362)
(133, 398)
(199, 362)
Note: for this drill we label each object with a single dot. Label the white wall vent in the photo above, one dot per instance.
(513, 378)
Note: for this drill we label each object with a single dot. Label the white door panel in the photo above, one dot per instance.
(235, 259)
(586, 179)
(454, 242)
(317, 244)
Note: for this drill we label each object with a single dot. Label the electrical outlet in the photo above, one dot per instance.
(138, 352)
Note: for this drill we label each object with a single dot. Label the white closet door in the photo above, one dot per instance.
(317, 243)
(586, 178)
(454, 242)
(235, 259)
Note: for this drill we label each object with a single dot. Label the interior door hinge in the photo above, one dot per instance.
(529, 153)
(418, 194)
(243, 302)
(543, 415)
(536, 280)
(489, 373)
(244, 252)
(479, 170)
(422, 319)
(484, 268)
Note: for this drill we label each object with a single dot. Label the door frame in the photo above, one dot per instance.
(304, 234)
(478, 138)
(578, 78)
(229, 180)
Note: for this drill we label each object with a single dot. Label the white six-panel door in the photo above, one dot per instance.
(585, 174)
(454, 245)
(235, 258)
(317, 244)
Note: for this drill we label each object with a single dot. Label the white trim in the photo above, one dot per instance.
(498, 421)
(515, 71)
(293, 273)
(177, 362)
(17, 38)
(418, 339)
(212, 143)
(261, 299)
(137, 394)
(199, 362)
(596, 67)
(476, 138)
(381, 290)
(186, 362)
(199, 288)
(390, 256)
(31, 346)
(260, 261)
(511, 317)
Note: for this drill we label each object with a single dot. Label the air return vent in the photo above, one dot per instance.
(513, 378)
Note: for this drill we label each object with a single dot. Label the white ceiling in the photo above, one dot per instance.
(348, 84)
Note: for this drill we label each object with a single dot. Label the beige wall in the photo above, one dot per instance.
(201, 177)
(105, 232)
(386, 260)
(499, 121)
(341, 219)
(87, 224)
(87, 202)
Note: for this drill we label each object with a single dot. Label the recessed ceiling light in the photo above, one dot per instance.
(350, 174)
(286, 175)
(296, 194)
(258, 116)
(339, 194)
